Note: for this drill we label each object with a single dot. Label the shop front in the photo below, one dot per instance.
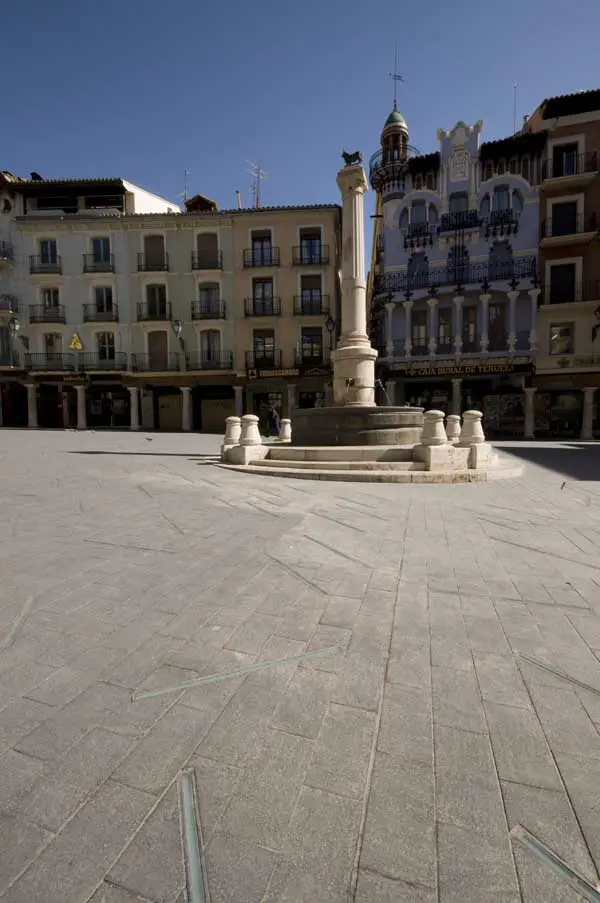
(560, 405)
(283, 391)
(13, 404)
(107, 403)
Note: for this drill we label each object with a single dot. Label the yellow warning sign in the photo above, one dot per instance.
(75, 344)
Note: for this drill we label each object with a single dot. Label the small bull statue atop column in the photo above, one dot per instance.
(352, 159)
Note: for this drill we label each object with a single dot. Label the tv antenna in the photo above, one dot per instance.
(258, 175)
(395, 75)
(186, 183)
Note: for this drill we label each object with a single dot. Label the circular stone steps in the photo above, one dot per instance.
(294, 453)
(300, 464)
(499, 472)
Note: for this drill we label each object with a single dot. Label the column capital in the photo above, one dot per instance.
(390, 306)
(485, 298)
(458, 299)
(407, 305)
(530, 390)
(590, 390)
(534, 293)
(132, 389)
(431, 302)
(512, 296)
(185, 389)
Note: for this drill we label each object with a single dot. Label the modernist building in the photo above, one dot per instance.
(122, 311)
(567, 380)
(455, 273)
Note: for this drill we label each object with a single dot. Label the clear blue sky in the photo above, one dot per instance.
(144, 89)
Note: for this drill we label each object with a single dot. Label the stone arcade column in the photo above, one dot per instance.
(530, 413)
(407, 327)
(512, 331)
(81, 411)
(456, 396)
(484, 340)
(534, 294)
(239, 400)
(458, 302)
(32, 414)
(134, 408)
(354, 358)
(587, 424)
(186, 408)
(389, 326)
(432, 329)
(291, 399)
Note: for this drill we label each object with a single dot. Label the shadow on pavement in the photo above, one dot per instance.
(577, 461)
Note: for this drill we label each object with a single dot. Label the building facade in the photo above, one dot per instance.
(124, 312)
(455, 283)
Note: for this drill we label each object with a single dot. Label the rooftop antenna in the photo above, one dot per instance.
(514, 108)
(258, 175)
(395, 75)
(186, 183)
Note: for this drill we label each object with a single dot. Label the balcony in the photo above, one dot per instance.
(264, 360)
(570, 170)
(387, 169)
(39, 313)
(568, 230)
(51, 361)
(261, 257)
(419, 235)
(152, 363)
(147, 311)
(572, 293)
(312, 356)
(95, 361)
(307, 255)
(93, 314)
(93, 264)
(42, 265)
(208, 310)
(9, 358)
(311, 305)
(152, 263)
(199, 361)
(6, 252)
(8, 304)
(454, 222)
(207, 261)
(262, 307)
(501, 224)
(520, 268)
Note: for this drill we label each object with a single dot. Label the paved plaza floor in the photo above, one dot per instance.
(390, 767)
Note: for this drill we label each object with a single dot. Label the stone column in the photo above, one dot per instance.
(291, 399)
(456, 396)
(530, 413)
(432, 344)
(458, 302)
(484, 341)
(186, 408)
(587, 426)
(390, 391)
(534, 294)
(32, 418)
(389, 326)
(81, 410)
(354, 358)
(239, 400)
(407, 327)
(134, 408)
(512, 331)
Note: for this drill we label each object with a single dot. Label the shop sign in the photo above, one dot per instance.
(465, 367)
(271, 374)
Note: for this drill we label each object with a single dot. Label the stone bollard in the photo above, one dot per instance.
(472, 430)
(433, 429)
(250, 434)
(285, 430)
(233, 430)
(453, 428)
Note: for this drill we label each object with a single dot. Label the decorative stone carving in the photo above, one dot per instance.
(453, 428)
(433, 429)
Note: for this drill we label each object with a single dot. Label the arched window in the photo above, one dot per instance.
(403, 222)
(500, 261)
(418, 270)
(418, 182)
(484, 207)
(433, 215)
(430, 181)
(517, 203)
(513, 166)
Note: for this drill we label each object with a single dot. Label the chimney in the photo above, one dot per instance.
(239, 200)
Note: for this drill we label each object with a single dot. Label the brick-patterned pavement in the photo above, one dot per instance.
(389, 770)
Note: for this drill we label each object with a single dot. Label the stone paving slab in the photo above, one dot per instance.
(390, 769)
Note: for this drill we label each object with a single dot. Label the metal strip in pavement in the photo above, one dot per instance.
(17, 623)
(549, 857)
(558, 673)
(197, 883)
(214, 678)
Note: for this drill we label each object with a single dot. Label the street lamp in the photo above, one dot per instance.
(177, 327)
(330, 327)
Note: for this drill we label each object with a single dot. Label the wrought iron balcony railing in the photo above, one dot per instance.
(207, 261)
(389, 166)
(51, 360)
(306, 255)
(39, 313)
(311, 355)
(419, 235)
(202, 361)
(563, 226)
(94, 360)
(521, 268)
(160, 310)
(262, 307)
(261, 257)
(6, 250)
(152, 263)
(264, 360)
(9, 304)
(571, 164)
(93, 264)
(555, 293)
(465, 219)
(309, 305)
(39, 263)
(501, 223)
(94, 314)
(9, 358)
(208, 310)
(155, 362)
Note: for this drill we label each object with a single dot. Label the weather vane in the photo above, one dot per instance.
(395, 75)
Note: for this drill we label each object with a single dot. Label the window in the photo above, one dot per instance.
(262, 248)
(500, 264)
(105, 343)
(513, 165)
(497, 327)
(501, 167)
(312, 344)
(418, 183)
(418, 217)
(101, 250)
(263, 345)
(562, 283)
(458, 263)
(154, 251)
(562, 338)
(564, 159)
(444, 339)
(501, 198)
(207, 250)
(418, 270)
(311, 294)
(48, 251)
(50, 297)
(210, 345)
(430, 181)
(158, 349)
(419, 332)
(433, 215)
(156, 299)
(209, 294)
(52, 344)
(525, 164)
(469, 329)
(487, 170)
(403, 223)
(310, 245)
(517, 203)
(564, 218)
(459, 203)
(262, 294)
(103, 299)
(484, 207)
